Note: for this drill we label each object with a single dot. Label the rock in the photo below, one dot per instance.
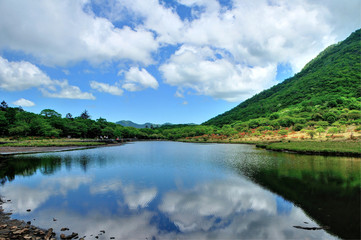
(27, 237)
(112, 237)
(73, 235)
(28, 222)
(3, 226)
(64, 229)
(102, 231)
(28, 210)
(21, 231)
(54, 219)
(49, 234)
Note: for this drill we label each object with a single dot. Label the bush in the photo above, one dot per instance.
(311, 133)
(333, 130)
(274, 116)
(283, 132)
(285, 122)
(322, 123)
(298, 127)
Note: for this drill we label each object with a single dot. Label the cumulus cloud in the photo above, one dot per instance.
(134, 197)
(136, 80)
(63, 32)
(62, 89)
(22, 102)
(18, 76)
(201, 70)
(104, 87)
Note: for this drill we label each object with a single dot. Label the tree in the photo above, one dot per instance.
(311, 133)
(3, 106)
(320, 130)
(69, 116)
(85, 115)
(50, 113)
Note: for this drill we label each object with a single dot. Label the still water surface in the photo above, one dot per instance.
(170, 190)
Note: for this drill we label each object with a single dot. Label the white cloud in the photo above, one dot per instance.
(18, 76)
(134, 196)
(66, 31)
(200, 69)
(62, 89)
(136, 80)
(103, 87)
(22, 102)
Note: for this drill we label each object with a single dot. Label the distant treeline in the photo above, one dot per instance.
(15, 122)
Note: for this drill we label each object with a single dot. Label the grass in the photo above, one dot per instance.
(346, 148)
(50, 143)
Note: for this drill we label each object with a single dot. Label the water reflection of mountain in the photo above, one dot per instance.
(326, 188)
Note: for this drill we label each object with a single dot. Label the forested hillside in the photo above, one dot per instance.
(332, 79)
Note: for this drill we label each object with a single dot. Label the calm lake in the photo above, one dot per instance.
(172, 190)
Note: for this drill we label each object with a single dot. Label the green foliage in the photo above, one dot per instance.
(283, 132)
(298, 127)
(311, 133)
(320, 130)
(333, 130)
(50, 113)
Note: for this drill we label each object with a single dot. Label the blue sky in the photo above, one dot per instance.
(178, 61)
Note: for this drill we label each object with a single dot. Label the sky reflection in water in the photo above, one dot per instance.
(164, 190)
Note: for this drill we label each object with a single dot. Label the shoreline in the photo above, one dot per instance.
(17, 229)
(10, 151)
(268, 146)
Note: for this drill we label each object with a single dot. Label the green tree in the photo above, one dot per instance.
(85, 115)
(311, 133)
(50, 113)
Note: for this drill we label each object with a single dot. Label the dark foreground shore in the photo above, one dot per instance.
(15, 229)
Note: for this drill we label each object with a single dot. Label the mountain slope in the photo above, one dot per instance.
(334, 74)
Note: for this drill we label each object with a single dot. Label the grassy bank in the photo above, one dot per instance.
(350, 148)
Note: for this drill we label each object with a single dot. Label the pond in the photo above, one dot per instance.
(172, 190)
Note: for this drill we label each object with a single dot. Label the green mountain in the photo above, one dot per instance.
(332, 79)
(127, 123)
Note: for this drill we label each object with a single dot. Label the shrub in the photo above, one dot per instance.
(311, 133)
(320, 130)
(282, 132)
(322, 123)
(298, 127)
(333, 130)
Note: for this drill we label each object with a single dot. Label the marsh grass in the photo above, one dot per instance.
(331, 147)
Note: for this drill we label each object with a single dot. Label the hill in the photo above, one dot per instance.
(127, 123)
(332, 79)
